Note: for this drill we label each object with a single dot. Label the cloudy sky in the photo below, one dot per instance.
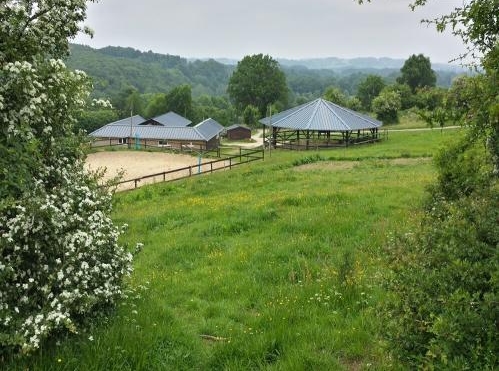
(281, 28)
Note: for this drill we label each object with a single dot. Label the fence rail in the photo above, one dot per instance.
(243, 157)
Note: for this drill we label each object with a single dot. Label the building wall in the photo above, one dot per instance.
(178, 145)
(239, 133)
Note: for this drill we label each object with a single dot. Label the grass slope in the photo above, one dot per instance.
(269, 266)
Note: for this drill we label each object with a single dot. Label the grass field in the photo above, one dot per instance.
(275, 265)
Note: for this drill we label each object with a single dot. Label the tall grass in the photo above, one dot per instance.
(269, 266)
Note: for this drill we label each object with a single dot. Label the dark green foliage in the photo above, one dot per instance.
(335, 95)
(405, 93)
(113, 69)
(251, 116)
(218, 108)
(429, 98)
(259, 81)
(157, 105)
(445, 312)
(386, 106)
(368, 89)
(417, 72)
(309, 160)
(91, 120)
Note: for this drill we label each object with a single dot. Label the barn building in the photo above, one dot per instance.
(319, 124)
(238, 132)
(168, 131)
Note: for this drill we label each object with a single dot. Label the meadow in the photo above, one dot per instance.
(276, 265)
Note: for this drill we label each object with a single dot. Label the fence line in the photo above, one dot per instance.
(229, 162)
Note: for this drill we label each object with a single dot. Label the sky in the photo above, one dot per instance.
(293, 29)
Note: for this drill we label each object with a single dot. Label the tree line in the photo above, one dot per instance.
(141, 82)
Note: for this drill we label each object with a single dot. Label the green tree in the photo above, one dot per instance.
(59, 253)
(258, 81)
(368, 89)
(127, 101)
(406, 96)
(251, 116)
(335, 95)
(218, 108)
(386, 106)
(179, 100)
(354, 103)
(417, 73)
(157, 105)
(97, 115)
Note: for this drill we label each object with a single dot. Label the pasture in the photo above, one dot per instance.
(274, 265)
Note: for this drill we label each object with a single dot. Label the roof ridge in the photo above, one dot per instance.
(312, 116)
(327, 104)
(356, 114)
(294, 111)
(198, 132)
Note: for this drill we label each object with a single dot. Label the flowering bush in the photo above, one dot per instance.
(59, 255)
(59, 252)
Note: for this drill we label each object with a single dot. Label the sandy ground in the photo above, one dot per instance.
(258, 141)
(136, 164)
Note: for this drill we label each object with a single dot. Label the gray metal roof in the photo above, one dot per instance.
(136, 120)
(209, 128)
(172, 119)
(235, 126)
(203, 131)
(321, 115)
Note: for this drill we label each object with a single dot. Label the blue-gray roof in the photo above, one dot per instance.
(235, 126)
(203, 131)
(321, 115)
(136, 120)
(172, 119)
(209, 128)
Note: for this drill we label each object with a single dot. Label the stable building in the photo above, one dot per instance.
(319, 124)
(238, 132)
(168, 131)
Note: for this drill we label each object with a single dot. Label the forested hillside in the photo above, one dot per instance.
(117, 69)
(150, 84)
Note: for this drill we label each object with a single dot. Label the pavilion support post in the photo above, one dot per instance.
(308, 139)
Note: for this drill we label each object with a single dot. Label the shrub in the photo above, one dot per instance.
(446, 276)
(59, 256)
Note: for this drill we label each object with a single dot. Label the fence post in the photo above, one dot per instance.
(190, 171)
(135, 181)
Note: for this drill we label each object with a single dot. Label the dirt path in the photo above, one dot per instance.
(258, 141)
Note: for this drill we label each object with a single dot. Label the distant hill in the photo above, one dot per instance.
(333, 63)
(116, 69)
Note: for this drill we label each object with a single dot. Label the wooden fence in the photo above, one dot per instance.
(235, 158)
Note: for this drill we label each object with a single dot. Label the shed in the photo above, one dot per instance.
(238, 132)
(320, 124)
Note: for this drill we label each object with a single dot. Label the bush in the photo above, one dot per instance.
(444, 312)
(59, 256)
(386, 106)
